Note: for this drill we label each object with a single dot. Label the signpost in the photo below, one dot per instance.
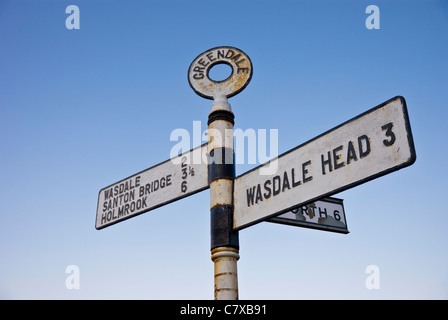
(370, 145)
(291, 189)
(327, 214)
(164, 183)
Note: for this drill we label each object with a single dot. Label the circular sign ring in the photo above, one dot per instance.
(198, 73)
(218, 63)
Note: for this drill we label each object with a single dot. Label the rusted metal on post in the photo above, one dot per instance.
(221, 165)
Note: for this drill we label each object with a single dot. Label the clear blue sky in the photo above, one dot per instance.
(82, 109)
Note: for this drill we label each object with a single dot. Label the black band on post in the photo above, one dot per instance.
(221, 227)
(221, 164)
(221, 115)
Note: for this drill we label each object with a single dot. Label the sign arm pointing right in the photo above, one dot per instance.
(373, 144)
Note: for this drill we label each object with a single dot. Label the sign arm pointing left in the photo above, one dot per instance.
(161, 184)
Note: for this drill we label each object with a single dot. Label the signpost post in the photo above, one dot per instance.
(224, 240)
(291, 189)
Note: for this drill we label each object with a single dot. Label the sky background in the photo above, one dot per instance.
(82, 109)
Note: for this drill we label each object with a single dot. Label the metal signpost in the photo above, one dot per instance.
(290, 189)
(224, 240)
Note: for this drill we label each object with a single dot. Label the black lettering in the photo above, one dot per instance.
(137, 181)
(168, 180)
(129, 196)
(276, 191)
(202, 63)
(326, 162)
(336, 214)
(243, 70)
(108, 193)
(103, 218)
(336, 157)
(199, 69)
(231, 54)
(267, 188)
(221, 54)
(250, 196)
(305, 171)
(351, 153)
(363, 152)
(285, 182)
(183, 186)
(198, 76)
(235, 58)
(258, 197)
(389, 133)
(210, 56)
(294, 182)
(121, 211)
(238, 62)
(322, 212)
(107, 205)
(162, 182)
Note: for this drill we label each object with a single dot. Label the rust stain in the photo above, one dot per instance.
(224, 274)
(310, 212)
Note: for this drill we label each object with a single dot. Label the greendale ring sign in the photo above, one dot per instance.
(198, 73)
